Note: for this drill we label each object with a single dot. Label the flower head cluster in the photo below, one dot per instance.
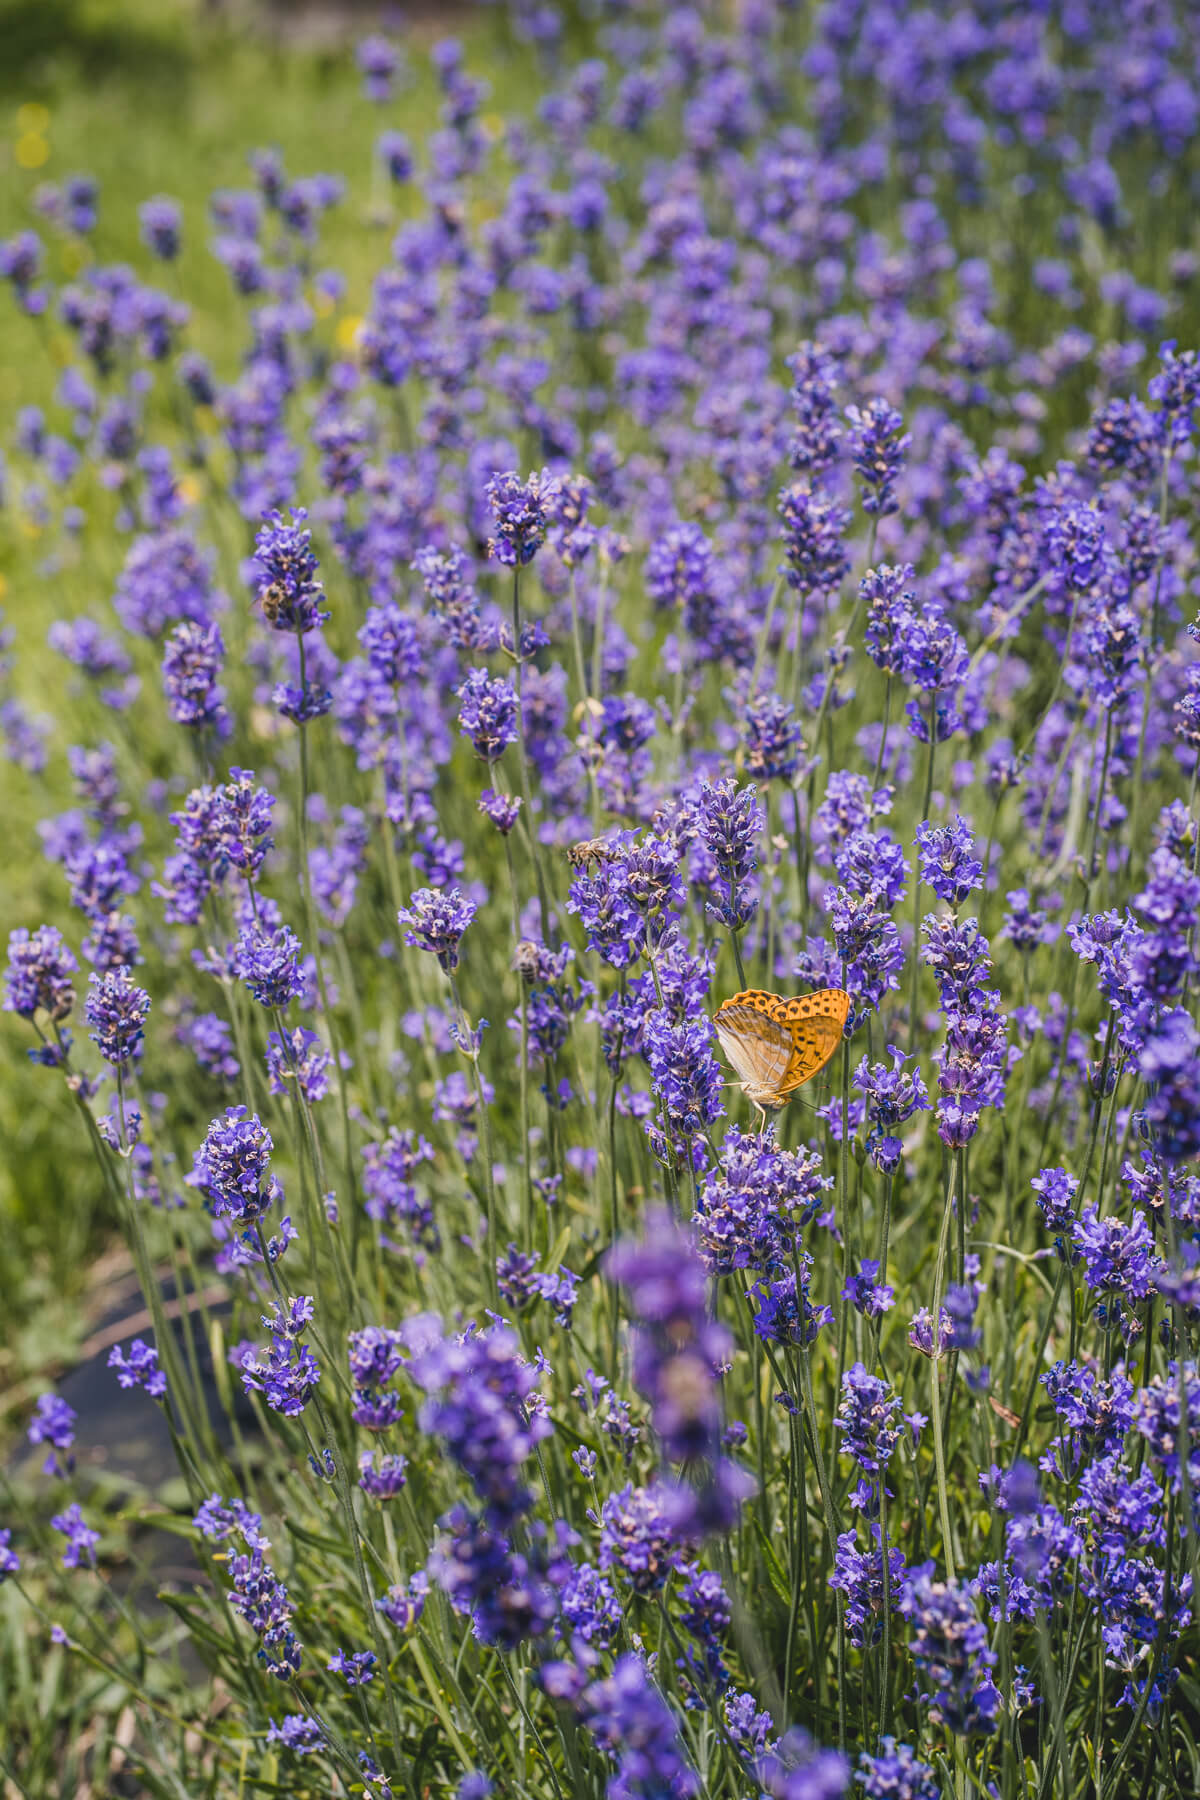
(193, 657)
(81, 1538)
(814, 533)
(38, 976)
(687, 1085)
(949, 1645)
(285, 1372)
(892, 1097)
(479, 1392)
(53, 1423)
(785, 1313)
(436, 922)
(258, 1596)
(972, 1063)
(487, 714)
(730, 820)
(948, 861)
(117, 1010)
(1170, 1062)
(868, 1419)
(630, 1721)
(896, 1772)
(615, 927)
(878, 441)
(268, 961)
(887, 595)
(391, 1192)
(860, 1577)
(232, 1167)
(519, 517)
(286, 575)
(138, 1367)
(752, 1207)
(375, 1355)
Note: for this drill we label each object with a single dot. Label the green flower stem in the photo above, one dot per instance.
(914, 990)
(885, 1666)
(577, 641)
(800, 849)
(765, 634)
(597, 686)
(485, 1145)
(939, 1448)
(308, 1127)
(310, 912)
(881, 1256)
(523, 761)
(1135, 802)
(887, 719)
(831, 1525)
(179, 1397)
(529, 1722)
(345, 1494)
(1098, 807)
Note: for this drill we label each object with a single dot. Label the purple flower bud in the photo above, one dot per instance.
(116, 1009)
(285, 574)
(436, 922)
(232, 1168)
(38, 976)
(519, 514)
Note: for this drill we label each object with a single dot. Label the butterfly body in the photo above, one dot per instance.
(776, 1044)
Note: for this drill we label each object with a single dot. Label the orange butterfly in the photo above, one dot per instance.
(776, 1045)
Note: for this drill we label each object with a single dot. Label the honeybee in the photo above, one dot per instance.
(525, 960)
(272, 600)
(581, 856)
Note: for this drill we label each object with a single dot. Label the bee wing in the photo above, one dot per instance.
(758, 1048)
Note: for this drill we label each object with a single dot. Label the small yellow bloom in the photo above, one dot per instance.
(32, 150)
(349, 331)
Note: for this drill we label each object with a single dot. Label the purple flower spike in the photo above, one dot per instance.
(519, 514)
(487, 714)
(878, 441)
(436, 922)
(193, 656)
(285, 572)
(138, 1368)
(232, 1166)
(948, 861)
(116, 1009)
(38, 976)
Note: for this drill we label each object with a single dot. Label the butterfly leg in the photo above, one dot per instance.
(762, 1113)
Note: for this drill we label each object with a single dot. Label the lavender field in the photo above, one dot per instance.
(602, 712)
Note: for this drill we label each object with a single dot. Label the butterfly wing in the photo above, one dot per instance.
(814, 1023)
(758, 1046)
